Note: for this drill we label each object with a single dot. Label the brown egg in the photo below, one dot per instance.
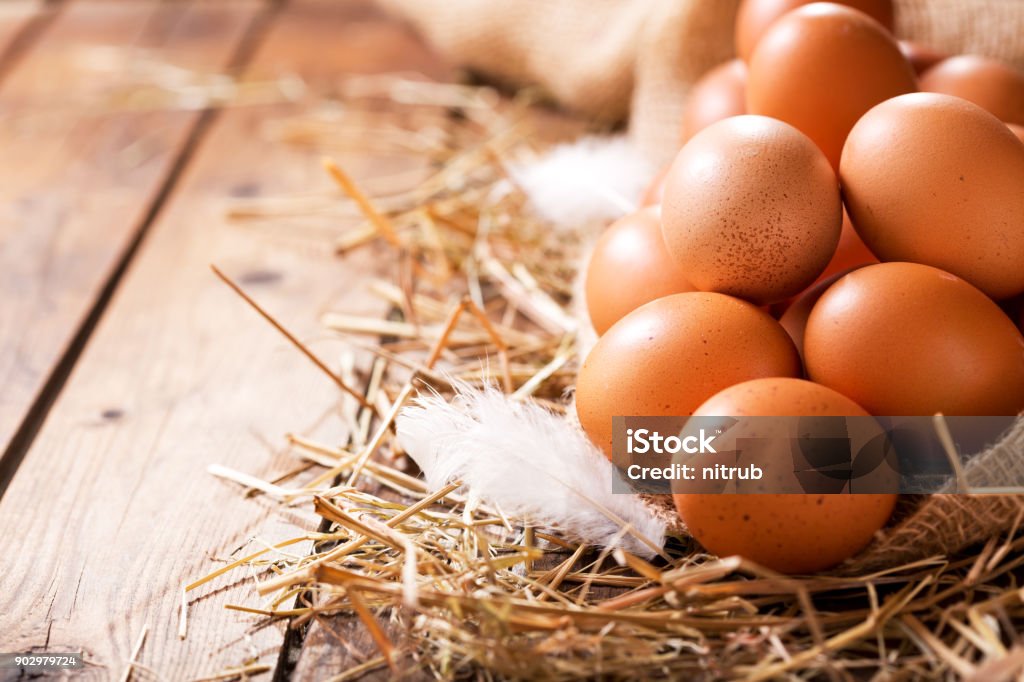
(794, 320)
(909, 339)
(656, 190)
(751, 209)
(994, 86)
(934, 179)
(720, 93)
(1016, 130)
(629, 267)
(755, 16)
(821, 67)
(672, 354)
(920, 56)
(786, 533)
(850, 252)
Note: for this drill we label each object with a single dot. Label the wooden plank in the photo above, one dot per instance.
(112, 510)
(339, 643)
(83, 166)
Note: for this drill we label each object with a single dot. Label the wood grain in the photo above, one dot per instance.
(83, 167)
(112, 511)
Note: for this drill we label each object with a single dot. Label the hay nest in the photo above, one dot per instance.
(451, 588)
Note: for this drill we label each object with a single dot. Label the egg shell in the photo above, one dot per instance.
(935, 179)
(751, 209)
(921, 57)
(910, 339)
(668, 356)
(656, 190)
(991, 84)
(821, 67)
(719, 94)
(629, 267)
(786, 533)
(1016, 130)
(794, 320)
(850, 253)
(755, 16)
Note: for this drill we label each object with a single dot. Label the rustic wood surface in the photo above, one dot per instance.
(83, 171)
(111, 510)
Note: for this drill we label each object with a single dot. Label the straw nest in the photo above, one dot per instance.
(450, 588)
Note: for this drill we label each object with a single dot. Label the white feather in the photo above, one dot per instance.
(591, 179)
(528, 461)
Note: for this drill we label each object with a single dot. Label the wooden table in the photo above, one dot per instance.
(126, 368)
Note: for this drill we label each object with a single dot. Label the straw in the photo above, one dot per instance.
(468, 592)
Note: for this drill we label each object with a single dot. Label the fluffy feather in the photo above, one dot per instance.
(529, 462)
(591, 179)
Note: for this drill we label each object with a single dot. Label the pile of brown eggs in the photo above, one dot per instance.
(842, 233)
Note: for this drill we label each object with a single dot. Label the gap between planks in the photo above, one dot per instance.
(35, 417)
(111, 490)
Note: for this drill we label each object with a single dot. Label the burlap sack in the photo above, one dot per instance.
(611, 58)
(947, 523)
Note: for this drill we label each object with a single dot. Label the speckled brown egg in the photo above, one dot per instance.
(996, 87)
(751, 209)
(850, 252)
(629, 267)
(719, 94)
(672, 354)
(921, 57)
(935, 179)
(755, 16)
(1016, 130)
(910, 339)
(786, 533)
(821, 67)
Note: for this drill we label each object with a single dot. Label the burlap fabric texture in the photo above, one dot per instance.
(613, 59)
(609, 59)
